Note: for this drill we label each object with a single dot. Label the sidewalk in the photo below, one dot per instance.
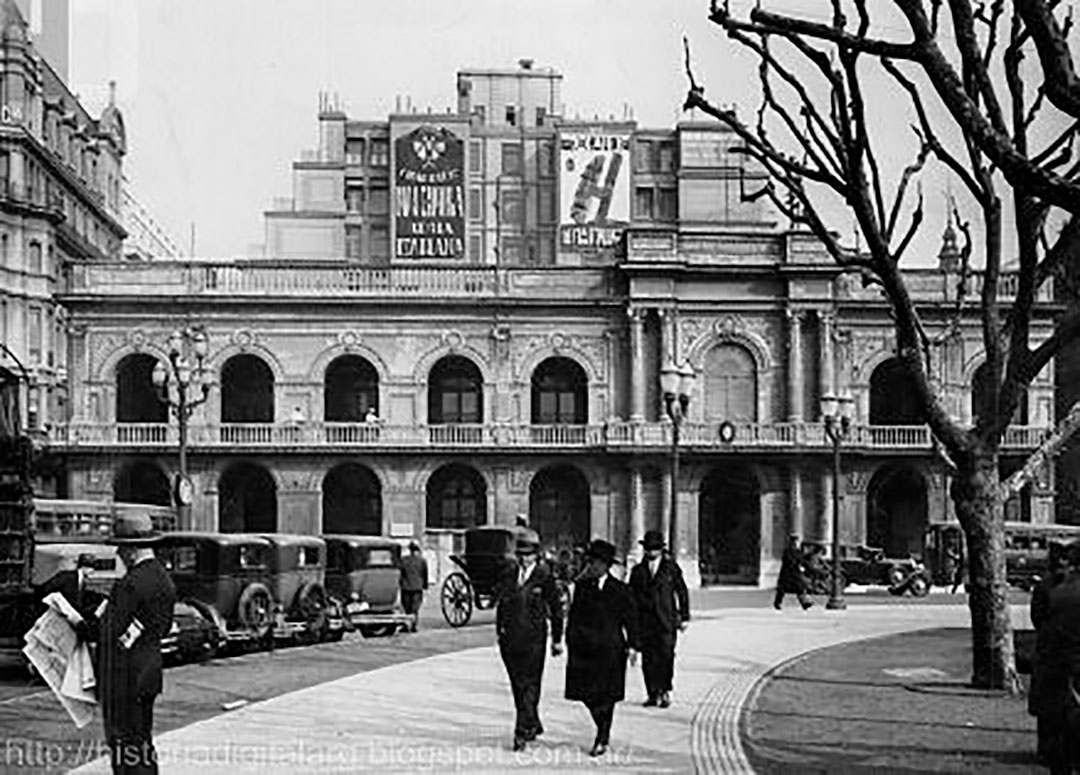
(454, 713)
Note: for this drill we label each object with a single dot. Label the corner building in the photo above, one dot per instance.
(502, 286)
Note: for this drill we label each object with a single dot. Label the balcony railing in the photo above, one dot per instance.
(613, 435)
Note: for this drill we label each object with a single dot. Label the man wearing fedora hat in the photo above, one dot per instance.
(663, 605)
(527, 599)
(601, 633)
(136, 617)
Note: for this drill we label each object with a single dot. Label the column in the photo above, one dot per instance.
(825, 529)
(666, 515)
(637, 513)
(637, 365)
(667, 337)
(828, 366)
(795, 366)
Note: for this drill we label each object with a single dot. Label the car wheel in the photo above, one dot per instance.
(920, 587)
(896, 576)
(256, 610)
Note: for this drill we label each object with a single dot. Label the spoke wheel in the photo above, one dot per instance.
(457, 600)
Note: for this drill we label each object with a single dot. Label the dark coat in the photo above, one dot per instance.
(126, 676)
(66, 582)
(523, 612)
(792, 579)
(414, 575)
(662, 600)
(1057, 649)
(601, 629)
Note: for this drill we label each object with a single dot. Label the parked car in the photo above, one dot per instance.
(363, 575)
(303, 609)
(869, 566)
(226, 578)
(192, 637)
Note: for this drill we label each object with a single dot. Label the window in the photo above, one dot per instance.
(379, 201)
(512, 208)
(380, 153)
(476, 212)
(667, 156)
(541, 115)
(35, 257)
(354, 151)
(475, 158)
(643, 203)
(353, 242)
(546, 203)
(354, 199)
(669, 204)
(380, 558)
(180, 559)
(481, 113)
(511, 115)
(3, 320)
(50, 357)
(309, 557)
(454, 392)
(252, 557)
(730, 384)
(545, 160)
(35, 334)
(4, 247)
(475, 248)
(559, 393)
(511, 250)
(380, 243)
(642, 155)
(511, 159)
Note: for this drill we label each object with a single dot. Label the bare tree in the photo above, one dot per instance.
(812, 134)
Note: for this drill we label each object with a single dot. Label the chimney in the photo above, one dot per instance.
(525, 64)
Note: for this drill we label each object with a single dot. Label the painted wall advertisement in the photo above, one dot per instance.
(594, 188)
(429, 194)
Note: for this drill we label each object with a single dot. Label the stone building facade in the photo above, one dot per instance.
(464, 317)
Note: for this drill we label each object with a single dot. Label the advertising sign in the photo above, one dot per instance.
(429, 194)
(594, 188)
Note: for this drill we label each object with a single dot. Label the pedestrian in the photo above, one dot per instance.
(527, 601)
(955, 564)
(1040, 604)
(792, 578)
(414, 580)
(70, 581)
(137, 615)
(601, 634)
(663, 608)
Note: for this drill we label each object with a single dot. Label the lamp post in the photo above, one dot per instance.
(676, 382)
(183, 384)
(837, 415)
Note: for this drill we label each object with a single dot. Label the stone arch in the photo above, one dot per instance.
(328, 355)
(865, 368)
(763, 365)
(136, 399)
(535, 357)
(255, 401)
(142, 481)
(245, 504)
(352, 497)
(730, 507)
(106, 369)
(215, 361)
(892, 397)
(424, 474)
(350, 388)
(897, 508)
(464, 489)
(560, 505)
(565, 377)
(428, 360)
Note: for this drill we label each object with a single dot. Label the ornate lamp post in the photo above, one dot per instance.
(676, 382)
(183, 384)
(837, 411)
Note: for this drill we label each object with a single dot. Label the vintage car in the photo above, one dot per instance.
(489, 556)
(225, 577)
(192, 637)
(303, 609)
(363, 575)
(866, 565)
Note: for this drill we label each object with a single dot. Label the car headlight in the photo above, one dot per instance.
(355, 597)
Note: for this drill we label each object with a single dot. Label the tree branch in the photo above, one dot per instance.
(1062, 84)
(1043, 456)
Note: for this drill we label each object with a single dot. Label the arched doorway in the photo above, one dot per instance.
(896, 502)
(730, 384)
(456, 498)
(982, 393)
(559, 506)
(893, 397)
(136, 397)
(351, 501)
(247, 390)
(142, 482)
(560, 393)
(247, 500)
(729, 526)
(455, 392)
(350, 389)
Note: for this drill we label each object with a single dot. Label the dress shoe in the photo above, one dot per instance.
(665, 700)
(807, 606)
(651, 702)
(776, 606)
(598, 749)
(532, 734)
(519, 743)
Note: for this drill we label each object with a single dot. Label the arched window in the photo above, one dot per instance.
(559, 506)
(559, 393)
(247, 390)
(456, 498)
(137, 400)
(247, 500)
(893, 398)
(142, 482)
(455, 392)
(730, 387)
(351, 387)
(352, 501)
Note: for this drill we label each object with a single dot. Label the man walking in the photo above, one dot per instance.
(527, 599)
(663, 607)
(792, 580)
(601, 633)
(137, 616)
(414, 580)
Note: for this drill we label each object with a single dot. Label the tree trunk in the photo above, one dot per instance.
(976, 495)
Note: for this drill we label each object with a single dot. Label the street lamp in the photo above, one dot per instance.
(837, 411)
(676, 382)
(183, 384)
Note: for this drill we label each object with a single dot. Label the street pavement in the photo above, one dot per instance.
(453, 712)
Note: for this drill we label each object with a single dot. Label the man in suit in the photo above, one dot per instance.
(601, 634)
(527, 599)
(414, 580)
(792, 579)
(137, 616)
(663, 606)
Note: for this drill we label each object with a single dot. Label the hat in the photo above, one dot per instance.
(653, 539)
(527, 542)
(135, 529)
(413, 546)
(602, 550)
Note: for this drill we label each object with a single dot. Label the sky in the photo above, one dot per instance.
(220, 96)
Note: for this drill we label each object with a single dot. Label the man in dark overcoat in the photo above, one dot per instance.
(602, 632)
(1057, 567)
(137, 615)
(792, 579)
(414, 580)
(527, 600)
(663, 607)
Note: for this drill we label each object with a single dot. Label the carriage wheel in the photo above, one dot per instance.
(457, 600)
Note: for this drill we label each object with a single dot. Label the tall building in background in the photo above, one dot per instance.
(465, 316)
(50, 31)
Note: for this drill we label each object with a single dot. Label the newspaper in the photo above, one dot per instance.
(63, 663)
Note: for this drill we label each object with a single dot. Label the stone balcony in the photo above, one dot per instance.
(612, 436)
